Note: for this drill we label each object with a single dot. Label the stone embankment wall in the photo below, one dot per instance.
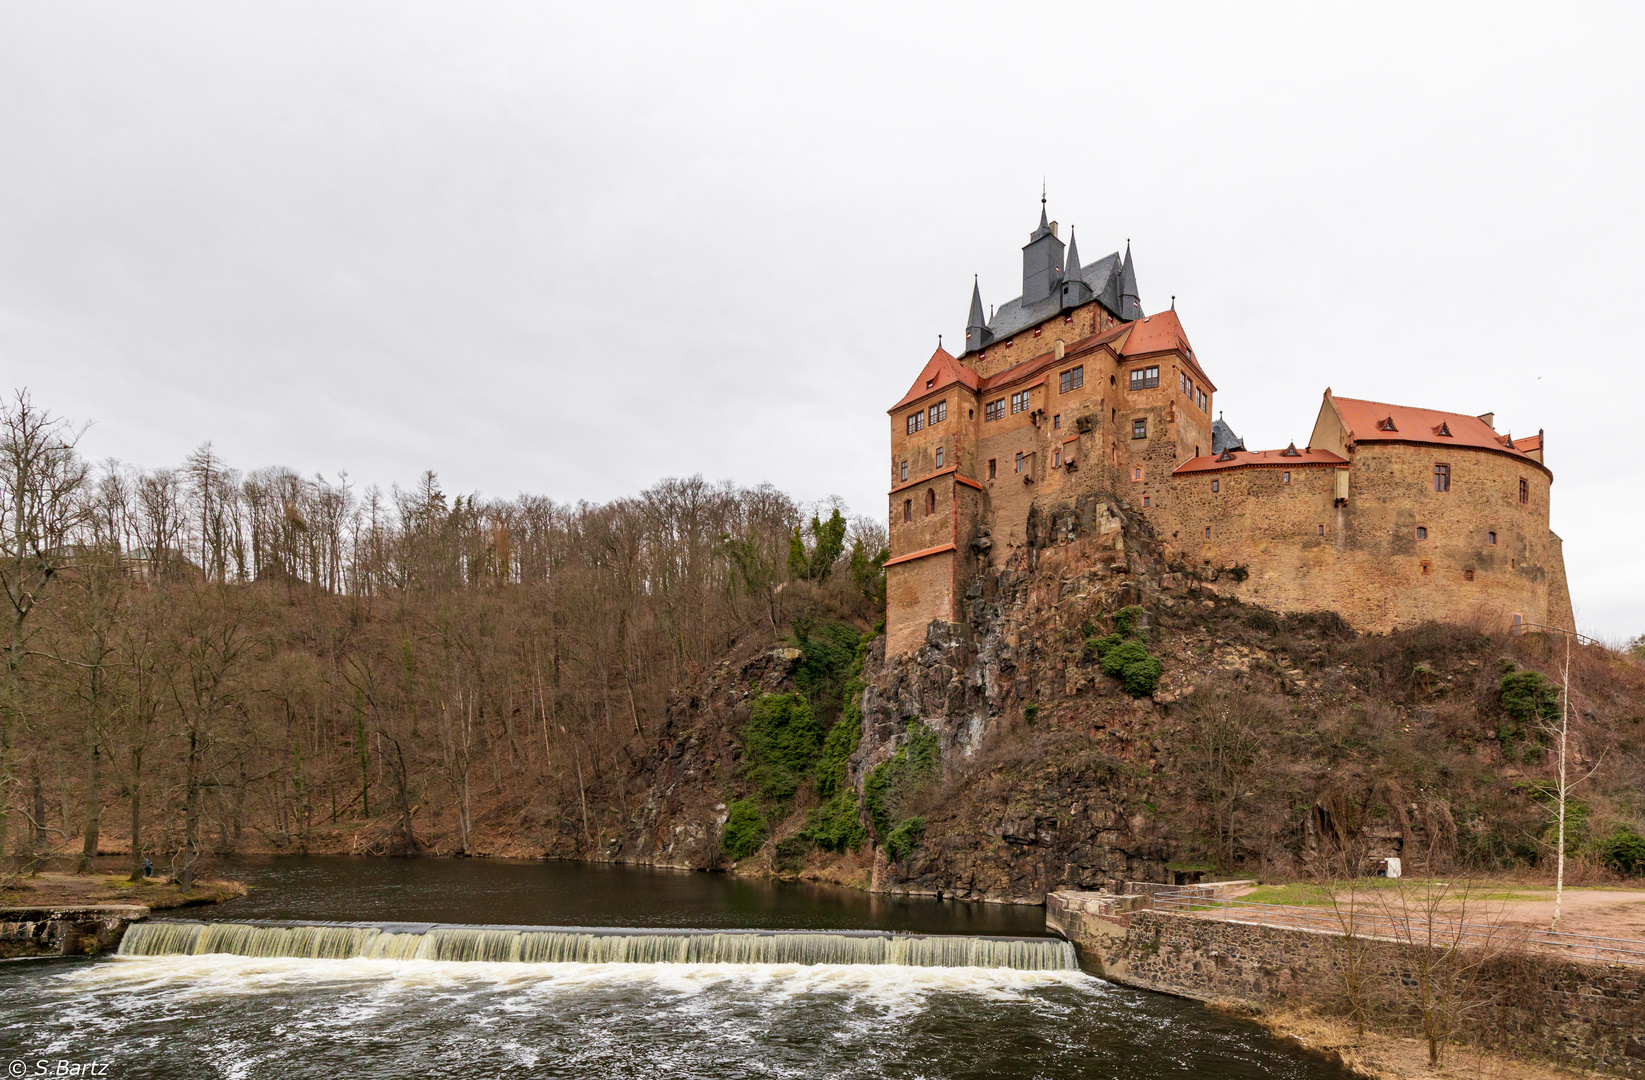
(1591, 1015)
(86, 930)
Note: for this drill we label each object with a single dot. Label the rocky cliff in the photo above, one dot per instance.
(1102, 715)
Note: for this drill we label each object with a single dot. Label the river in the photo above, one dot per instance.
(385, 1003)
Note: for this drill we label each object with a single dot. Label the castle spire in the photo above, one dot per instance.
(1074, 289)
(976, 328)
(1130, 302)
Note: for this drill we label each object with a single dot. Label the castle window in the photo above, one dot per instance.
(993, 467)
(1139, 428)
(1072, 379)
(1203, 403)
(1187, 384)
(1208, 532)
(930, 383)
(1136, 472)
(908, 509)
(1490, 538)
(994, 410)
(939, 457)
(937, 413)
(1286, 478)
(1524, 491)
(1036, 331)
(1019, 402)
(1427, 567)
(1144, 378)
(1056, 422)
(1216, 486)
(905, 471)
(1019, 461)
(1468, 575)
(1056, 457)
(930, 501)
(916, 420)
(1422, 532)
(1322, 530)
(1442, 478)
(1145, 503)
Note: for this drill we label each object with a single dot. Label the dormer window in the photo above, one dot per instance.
(1290, 451)
(929, 383)
(1444, 429)
(1386, 424)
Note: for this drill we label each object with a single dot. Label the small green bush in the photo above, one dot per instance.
(1142, 676)
(1624, 851)
(1125, 620)
(833, 826)
(1528, 696)
(1099, 646)
(904, 838)
(1031, 712)
(781, 744)
(897, 779)
(1127, 652)
(744, 829)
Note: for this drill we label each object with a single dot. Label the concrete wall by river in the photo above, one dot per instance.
(1590, 1015)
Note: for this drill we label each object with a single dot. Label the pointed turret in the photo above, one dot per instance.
(1041, 262)
(1074, 289)
(976, 327)
(1130, 302)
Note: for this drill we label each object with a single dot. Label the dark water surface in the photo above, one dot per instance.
(234, 1016)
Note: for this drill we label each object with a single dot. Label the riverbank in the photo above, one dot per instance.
(1379, 1056)
(53, 888)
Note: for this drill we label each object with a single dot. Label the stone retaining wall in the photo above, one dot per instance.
(1591, 1015)
(72, 930)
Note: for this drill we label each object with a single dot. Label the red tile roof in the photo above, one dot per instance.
(942, 370)
(932, 476)
(922, 553)
(1241, 459)
(1162, 332)
(1376, 421)
(1527, 444)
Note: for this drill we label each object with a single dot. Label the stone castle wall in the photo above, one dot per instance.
(1585, 1014)
(1366, 559)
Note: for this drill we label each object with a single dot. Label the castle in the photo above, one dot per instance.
(1390, 515)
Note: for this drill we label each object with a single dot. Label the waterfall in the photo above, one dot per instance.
(590, 945)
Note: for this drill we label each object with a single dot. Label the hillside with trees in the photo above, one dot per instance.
(217, 662)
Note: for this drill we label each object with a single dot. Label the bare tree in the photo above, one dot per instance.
(42, 484)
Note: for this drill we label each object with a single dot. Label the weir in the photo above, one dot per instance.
(590, 945)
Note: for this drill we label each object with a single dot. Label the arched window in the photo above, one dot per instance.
(930, 501)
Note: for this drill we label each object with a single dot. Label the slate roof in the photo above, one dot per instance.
(1101, 277)
(1223, 437)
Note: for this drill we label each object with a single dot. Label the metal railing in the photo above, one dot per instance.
(1543, 628)
(1406, 929)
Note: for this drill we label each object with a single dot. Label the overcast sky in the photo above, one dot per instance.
(571, 249)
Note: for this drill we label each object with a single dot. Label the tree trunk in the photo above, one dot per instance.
(136, 815)
(94, 803)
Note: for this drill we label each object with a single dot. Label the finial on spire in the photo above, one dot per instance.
(1173, 301)
(939, 341)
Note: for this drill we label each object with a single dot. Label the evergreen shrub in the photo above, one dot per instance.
(744, 829)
